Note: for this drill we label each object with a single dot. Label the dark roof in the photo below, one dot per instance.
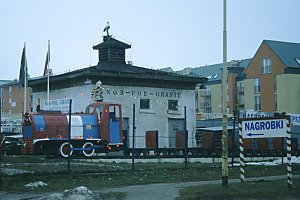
(287, 52)
(111, 73)
(2, 82)
(166, 69)
(6, 83)
(111, 42)
(214, 72)
(113, 70)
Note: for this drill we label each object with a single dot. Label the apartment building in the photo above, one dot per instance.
(12, 99)
(268, 82)
(272, 81)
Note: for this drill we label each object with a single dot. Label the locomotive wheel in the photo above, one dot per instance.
(176, 152)
(157, 153)
(88, 153)
(126, 153)
(63, 150)
(146, 152)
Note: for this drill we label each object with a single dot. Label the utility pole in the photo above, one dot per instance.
(224, 104)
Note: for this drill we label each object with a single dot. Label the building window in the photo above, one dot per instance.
(266, 66)
(241, 87)
(256, 85)
(257, 105)
(275, 83)
(173, 105)
(1, 92)
(9, 103)
(144, 103)
(276, 106)
(10, 91)
(242, 100)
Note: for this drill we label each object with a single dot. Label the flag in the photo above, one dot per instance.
(46, 64)
(23, 68)
(46, 68)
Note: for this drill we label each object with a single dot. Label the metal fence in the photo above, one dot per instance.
(72, 139)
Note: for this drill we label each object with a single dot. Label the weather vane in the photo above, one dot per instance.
(107, 27)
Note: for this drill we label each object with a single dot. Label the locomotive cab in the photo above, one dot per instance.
(109, 117)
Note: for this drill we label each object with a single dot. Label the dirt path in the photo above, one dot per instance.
(162, 191)
(169, 191)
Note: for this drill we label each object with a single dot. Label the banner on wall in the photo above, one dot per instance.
(58, 105)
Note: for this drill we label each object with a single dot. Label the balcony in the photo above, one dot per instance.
(241, 89)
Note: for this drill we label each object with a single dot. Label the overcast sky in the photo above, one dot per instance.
(162, 33)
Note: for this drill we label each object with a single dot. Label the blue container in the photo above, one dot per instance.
(90, 126)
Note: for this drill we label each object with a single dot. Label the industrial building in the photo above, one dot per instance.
(160, 98)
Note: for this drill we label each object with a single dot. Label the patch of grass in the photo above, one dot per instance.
(248, 190)
(96, 175)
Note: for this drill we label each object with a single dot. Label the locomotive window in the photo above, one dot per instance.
(99, 110)
(90, 109)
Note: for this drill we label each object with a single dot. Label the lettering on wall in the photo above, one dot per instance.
(142, 93)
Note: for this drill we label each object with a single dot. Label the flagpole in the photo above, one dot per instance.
(48, 79)
(25, 79)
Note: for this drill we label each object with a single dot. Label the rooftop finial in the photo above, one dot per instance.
(107, 27)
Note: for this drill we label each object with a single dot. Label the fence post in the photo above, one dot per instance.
(69, 135)
(133, 137)
(232, 139)
(289, 154)
(242, 161)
